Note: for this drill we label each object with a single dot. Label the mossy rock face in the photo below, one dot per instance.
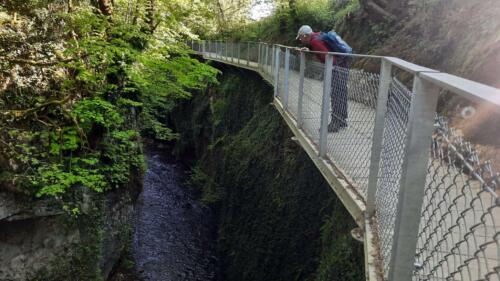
(278, 218)
(96, 239)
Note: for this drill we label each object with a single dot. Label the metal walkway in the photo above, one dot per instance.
(426, 202)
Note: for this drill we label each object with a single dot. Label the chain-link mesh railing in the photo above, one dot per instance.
(351, 121)
(293, 84)
(459, 230)
(459, 236)
(281, 75)
(391, 160)
(311, 99)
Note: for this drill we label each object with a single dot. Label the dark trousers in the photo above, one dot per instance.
(340, 77)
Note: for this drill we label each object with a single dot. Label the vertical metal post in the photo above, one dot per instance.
(276, 71)
(248, 53)
(272, 67)
(203, 47)
(227, 49)
(258, 55)
(217, 49)
(300, 121)
(378, 134)
(325, 105)
(285, 81)
(239, 52)
(232, 52)
(412, 184)
(267, 59)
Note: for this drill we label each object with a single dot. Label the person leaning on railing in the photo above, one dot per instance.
(314, 42)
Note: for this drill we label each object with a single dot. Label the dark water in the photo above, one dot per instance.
(173, 237)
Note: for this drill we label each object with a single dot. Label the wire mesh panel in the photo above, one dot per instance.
(244, 51)
(220, 46)
(311, 101)
(351, 121)
(293, 83)
(268, 58)
(253, 53)
(237, 52)
(266, 61)
(392, 154)
(281, 74)
(230, 51)
(194, 46)
(459, 236)
(262, 62)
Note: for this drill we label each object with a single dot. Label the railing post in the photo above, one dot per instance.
(300, 121)
(267, 58)
(248, 53)
(325, 106)
(276, 71)
(285, 81)
(216, 49)
(258, 56)
(378, 134)
(227, 45)
(232, 52)
(239, 52)
(413, 177)
(220, 50)
(272, 67)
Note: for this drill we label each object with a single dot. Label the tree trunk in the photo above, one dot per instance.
(105, 7)
(150, 15)
(385, 9)
(292, 4)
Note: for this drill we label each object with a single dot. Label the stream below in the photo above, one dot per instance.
(173, 237)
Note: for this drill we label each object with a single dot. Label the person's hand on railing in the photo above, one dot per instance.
(303, 49)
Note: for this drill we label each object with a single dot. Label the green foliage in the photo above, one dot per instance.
(115, 79)
(53, 179)
(122, 155)
(282, 25)
(159, 93)
(97, 112)
(79, 91)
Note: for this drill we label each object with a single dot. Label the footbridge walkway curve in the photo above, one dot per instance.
(427, 203)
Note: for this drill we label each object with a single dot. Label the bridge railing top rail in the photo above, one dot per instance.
(474, 91)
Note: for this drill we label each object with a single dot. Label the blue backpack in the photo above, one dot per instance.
(335, 43)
